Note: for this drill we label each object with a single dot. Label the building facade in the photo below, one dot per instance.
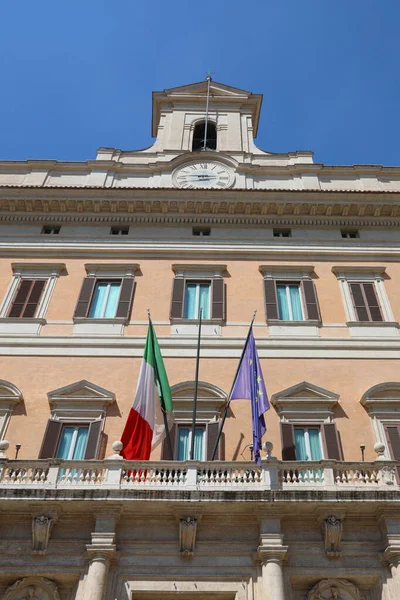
(202, 218)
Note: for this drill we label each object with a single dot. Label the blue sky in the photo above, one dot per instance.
(77, 75)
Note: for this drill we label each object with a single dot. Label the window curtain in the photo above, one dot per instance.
(80, 444)
(112, 301)
(183, 443)
(65, 443)
(98, 301)
(198, 444)
(205, 300)
(282, 303)
(190, 301)
(294, 293)
(315, 446)
(300, 444)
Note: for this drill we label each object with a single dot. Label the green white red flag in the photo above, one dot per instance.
(145, 427)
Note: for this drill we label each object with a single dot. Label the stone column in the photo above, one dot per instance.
(392, 555)
(101, 552)
(390, 526)
(271, 553)
(97, 575)
(272, 572)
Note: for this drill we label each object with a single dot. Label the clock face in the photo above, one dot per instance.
(203, 175)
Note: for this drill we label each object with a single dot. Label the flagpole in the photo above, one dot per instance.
(171, 452)
(230, 393)
(196, 385)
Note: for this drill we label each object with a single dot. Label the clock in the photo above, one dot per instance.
(207, 174)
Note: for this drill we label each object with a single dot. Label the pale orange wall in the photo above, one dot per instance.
(35, 376)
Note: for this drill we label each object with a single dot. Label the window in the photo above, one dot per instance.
(307, 443)
(107, 293)
(199, 135)
(51, 229)
(367, 305)
(104, 301)
(350, 233)
(282, 233)
(201, 231)
(365, 301)
(195, 287)
(184, 443)
(28, 296)
(26, 301)
(10, 395)
(74, 431)
(72, 444)
(197, 295)
(289, 302)
(119, 230)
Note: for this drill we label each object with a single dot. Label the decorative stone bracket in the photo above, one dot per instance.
(42, 525)
(333, 529)
(187, 536)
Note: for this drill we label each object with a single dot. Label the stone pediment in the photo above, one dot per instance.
(82, 397)
(220, 89)
(210, 399)
(383, 400)
(9, 393)
(305, 401)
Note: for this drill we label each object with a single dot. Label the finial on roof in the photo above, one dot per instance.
(209, 78)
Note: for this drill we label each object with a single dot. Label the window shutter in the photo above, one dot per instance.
(82, 307)
(218, 299)
(271, 305)
(178, 292)
(372, 300)
(50, 440)
(310, 298)
(34, 298)
(393, 437)
(212, 434)
(288, 448)
(126, 298)
(358, 301)
(165, 453)
(20, 298)
(332, 441)
(93, 439)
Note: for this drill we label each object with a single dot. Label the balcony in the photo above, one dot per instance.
(191, 476)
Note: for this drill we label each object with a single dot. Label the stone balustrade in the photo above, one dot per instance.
(193, 475)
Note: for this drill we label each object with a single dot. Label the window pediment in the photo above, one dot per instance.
(80, 400)
(383, 400)
(305, 402)
(210, 399)
(9, 394)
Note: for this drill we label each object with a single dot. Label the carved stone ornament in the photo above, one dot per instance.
(32, 588)
(187, 536)
(335, 589)
(333, 534)
(41, 528)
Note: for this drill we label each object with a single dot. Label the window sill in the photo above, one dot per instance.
(112, 327)
(373, 328)
(115, 320)
(196, 321)
(191, 327)
(21, 325)
(293, 328)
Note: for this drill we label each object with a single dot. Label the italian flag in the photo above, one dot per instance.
(145, 428)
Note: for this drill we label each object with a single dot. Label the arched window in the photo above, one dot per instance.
(199, 135)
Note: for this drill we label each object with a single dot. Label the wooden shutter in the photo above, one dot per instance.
(332, 445)
(310, 298)
(85, 296)
(21, 298)
(288, 447)
(165, 453)
(50, 440)
(211, 437)
(178, 294)
(372, 301)
(34, 298)
(271, 304)
(126, 298)
(93, 439)
(218, 299)
(359, 302)
(393, 438)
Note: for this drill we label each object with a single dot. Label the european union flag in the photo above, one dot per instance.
(249, 384)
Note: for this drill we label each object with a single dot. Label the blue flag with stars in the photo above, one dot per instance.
(249, 385)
